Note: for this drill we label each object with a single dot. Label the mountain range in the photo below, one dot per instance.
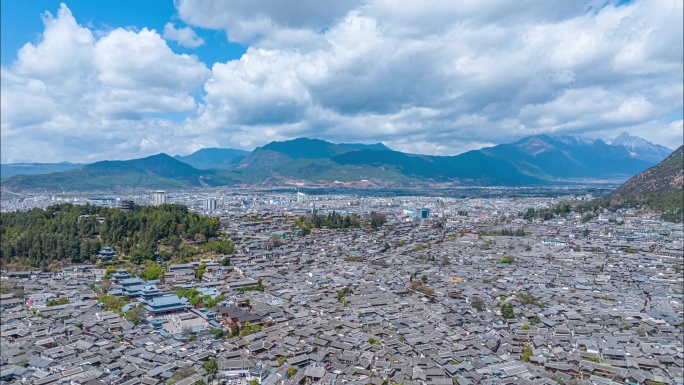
(213, 158)
(640, 148)
(534, 160)
(11, 169)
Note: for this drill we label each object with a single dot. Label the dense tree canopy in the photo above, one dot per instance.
(77, 232)
(332, 220)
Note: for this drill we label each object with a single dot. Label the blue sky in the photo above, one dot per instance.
(21, 23)
(89, 80)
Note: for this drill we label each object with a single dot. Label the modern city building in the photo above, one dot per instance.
(210, 204)
(301, 197)
(159, 198)
(424, 213)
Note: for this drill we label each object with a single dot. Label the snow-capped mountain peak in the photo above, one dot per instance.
(640, 148)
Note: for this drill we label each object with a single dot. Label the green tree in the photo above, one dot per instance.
(136, 315)
(217, 332)
(424, 278)
(526, 327)
(151, 273)
(200, 271)
(220, 246)
(377, 219)
(507, 259)
(507, 310)
(527, 299)
(291, 371)
(39, 237)
(110, 270)
(112, 303)
(211, 367)
(276, 241)
(182, 372)
(526, 354)
(214, 301)
(58, 301)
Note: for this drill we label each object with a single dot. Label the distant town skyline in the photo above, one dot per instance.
(83, 82)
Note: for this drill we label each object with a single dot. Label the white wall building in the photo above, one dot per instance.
(159, 198)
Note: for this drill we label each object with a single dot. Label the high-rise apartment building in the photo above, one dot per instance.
(159, 198)
(210, 204)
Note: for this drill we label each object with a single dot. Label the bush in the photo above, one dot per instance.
(507, 310)
(58, 301)
(217, 332)
(220, 246)
(136, 315)
(508, 259)
(151, 273)
(526, 354)
(211, 366)
(527, 299)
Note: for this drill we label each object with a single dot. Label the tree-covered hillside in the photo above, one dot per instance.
(71, 233)
(659, 188)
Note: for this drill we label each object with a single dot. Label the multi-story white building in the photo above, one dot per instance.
(210, 204)
(159, 198)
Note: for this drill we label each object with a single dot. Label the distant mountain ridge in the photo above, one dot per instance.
(640, 148)
(533, 160)
(209, 158)
(12, 169)
(567, 157)
(362, 146)
(152, 172)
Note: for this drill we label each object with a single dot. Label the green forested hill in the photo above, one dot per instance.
(62, 232)
(659, 188)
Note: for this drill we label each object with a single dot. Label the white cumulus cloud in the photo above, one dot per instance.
(185, 36)
(86, 96)
(431, 76)
(449, 75)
